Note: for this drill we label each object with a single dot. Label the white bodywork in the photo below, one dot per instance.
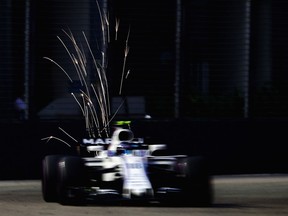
(130, 165)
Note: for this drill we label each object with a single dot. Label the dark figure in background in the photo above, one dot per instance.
(20, 107)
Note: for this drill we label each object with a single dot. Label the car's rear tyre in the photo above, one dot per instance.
(49, 177)
(71, 181)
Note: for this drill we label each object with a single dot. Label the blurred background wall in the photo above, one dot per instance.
(216, 69)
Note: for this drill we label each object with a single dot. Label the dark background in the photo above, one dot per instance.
(212, 73)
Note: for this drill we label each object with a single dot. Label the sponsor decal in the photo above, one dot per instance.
(98, 141)
(106, 141)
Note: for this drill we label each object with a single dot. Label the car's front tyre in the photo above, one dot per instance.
(71, 180)
(49, 177)
(196, 184)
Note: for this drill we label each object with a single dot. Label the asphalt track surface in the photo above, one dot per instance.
(233, 195)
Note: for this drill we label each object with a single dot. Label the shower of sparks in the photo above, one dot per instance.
(93, 99)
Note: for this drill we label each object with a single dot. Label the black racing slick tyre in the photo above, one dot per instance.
(196, 185)
(49, 177)
(71, 181)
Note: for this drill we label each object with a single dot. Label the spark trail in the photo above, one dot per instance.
(94, 98)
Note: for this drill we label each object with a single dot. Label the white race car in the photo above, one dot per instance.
(127, 170)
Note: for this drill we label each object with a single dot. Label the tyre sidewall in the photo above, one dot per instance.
(50, 177)
(71, 175)
(196, 183)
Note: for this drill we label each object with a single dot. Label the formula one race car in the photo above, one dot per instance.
(127, 170)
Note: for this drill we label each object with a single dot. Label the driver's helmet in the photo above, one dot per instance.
(122, 124)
